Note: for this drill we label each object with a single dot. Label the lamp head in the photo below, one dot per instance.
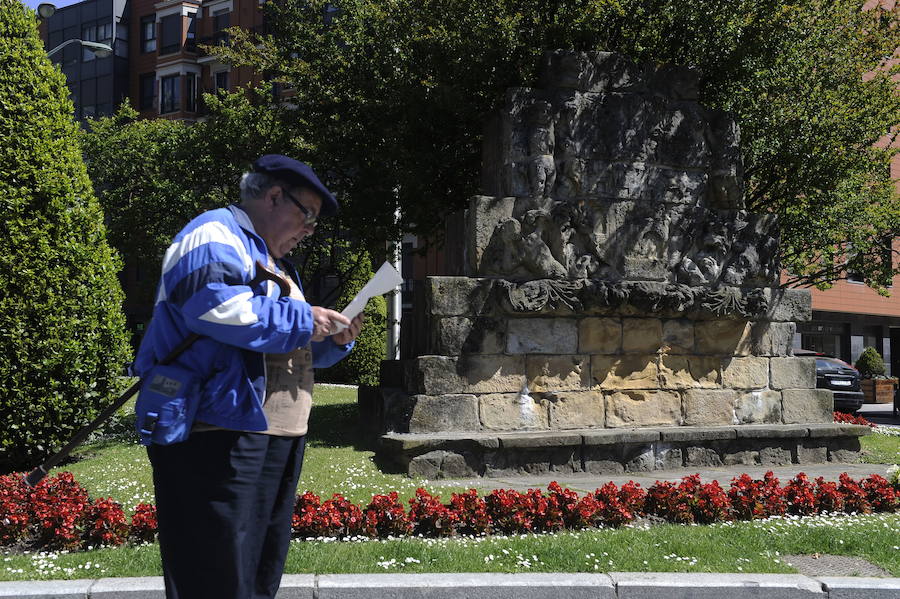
(46, 10)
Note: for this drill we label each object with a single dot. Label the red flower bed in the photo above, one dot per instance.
(844, 418)
(59, 514)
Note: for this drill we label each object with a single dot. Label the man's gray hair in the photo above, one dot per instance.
(255, 185)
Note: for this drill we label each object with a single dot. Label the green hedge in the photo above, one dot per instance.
(62, 331)
(362, 365)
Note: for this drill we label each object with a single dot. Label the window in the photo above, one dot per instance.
(190, 92)
(170, 97)
(89, 111)
(170, 38)
(221, 81)
(221, 20)
(148, 34)
(88, 34)
(147, 89)
(190, 44)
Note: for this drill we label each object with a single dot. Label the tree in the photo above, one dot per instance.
(62, 333)
(393, 96)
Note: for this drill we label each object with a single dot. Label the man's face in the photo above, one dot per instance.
(288, 225)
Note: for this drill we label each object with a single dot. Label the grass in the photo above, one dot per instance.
(337, 463)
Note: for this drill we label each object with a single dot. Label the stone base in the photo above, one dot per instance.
(461, 455)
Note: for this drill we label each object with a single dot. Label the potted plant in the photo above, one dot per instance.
(877, 387)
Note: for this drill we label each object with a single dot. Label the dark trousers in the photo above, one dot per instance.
(224, 501)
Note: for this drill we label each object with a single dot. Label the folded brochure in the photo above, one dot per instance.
(385, 280)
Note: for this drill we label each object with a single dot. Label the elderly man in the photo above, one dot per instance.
(226, 439)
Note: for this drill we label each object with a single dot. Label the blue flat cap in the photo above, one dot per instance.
(295, 172)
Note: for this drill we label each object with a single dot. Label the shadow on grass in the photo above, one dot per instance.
(336, 425)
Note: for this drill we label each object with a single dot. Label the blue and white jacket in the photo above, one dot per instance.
(204, 289)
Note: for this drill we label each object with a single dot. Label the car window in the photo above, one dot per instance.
(829, 363)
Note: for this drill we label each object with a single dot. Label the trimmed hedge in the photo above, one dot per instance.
(62, 331)
(362, 365)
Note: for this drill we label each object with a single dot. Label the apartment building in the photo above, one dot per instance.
(156, 63)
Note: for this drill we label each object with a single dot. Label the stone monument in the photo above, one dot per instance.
(621, 310)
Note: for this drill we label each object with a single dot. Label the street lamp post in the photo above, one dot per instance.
(100, 50)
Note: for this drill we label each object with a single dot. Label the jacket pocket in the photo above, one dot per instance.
(166, 405)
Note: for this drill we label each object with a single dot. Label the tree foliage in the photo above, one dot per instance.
(62, 335)
(392, 95)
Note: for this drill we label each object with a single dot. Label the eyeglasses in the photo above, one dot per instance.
(311, 218)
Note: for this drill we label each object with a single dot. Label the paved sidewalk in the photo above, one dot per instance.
(615, 585)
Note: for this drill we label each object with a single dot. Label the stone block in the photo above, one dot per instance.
(745, 373)
(758, 407)
(484, 213)
(620, 437)
(440, 375)
(678, 336)
(722, 337)
(685, 434)
(756, 431)
(793, 373)
(688, 372)
(440, 464)
(812, 452)
(643, 408)
(844, 449)
(777, 454)
(542, 336)
(600, 336)
(557, 373)
(807, 405)
(706, 407)
(668, 457)
(603, 459)
(533, 461)
(512, 411)
(641, 335)
(438, 413)
(739, 455)
(454, 335)
(639, 458)
(701, 457)
(625, 372)
(576, 409)
(790, 305)
(457, 296)
(773, 338)
(541, 439)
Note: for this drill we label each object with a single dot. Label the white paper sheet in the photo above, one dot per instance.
(386, 279)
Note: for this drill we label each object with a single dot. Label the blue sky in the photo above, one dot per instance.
(58, 4)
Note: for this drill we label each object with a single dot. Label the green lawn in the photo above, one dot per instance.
(336, 464)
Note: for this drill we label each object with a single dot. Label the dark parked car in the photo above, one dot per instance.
(838, 376)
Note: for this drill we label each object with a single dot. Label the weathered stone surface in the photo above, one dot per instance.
(459, 334)
(639, 458)
(576, 409)
(701, 456)
(745, 373)
(758, 407)
(437, 413)
(793, 373)
(678, 336)
(542, 336)
(834, 429)
(456, 296)
(845, 449)
(621, 437)
(722, 337)
(668, 457)
(697, 433)
(440, 375)
(790, 305)
(773, 338)
(557, 373)
(512, 411)
(625, 372)
(807, 405)
(483, 215)
(777, 454)
(641, 335)
(643, 408)
(706, 407)
(603, 459)
(539, 439)
(688, 372)
(811, 452)
(752, 431)
(440, 464)
(600, 335)
(564, 459)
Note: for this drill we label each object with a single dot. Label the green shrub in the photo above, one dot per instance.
(362, 365)
(870, 364)
(62, 331)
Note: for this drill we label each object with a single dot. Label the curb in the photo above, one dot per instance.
(615, 585)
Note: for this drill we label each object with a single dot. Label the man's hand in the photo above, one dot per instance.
(351, 332)
(323, 322)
